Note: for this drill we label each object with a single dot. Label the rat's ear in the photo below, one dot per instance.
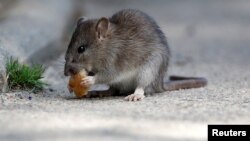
(102, 27)
(81, 20)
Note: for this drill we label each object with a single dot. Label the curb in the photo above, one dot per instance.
(30, 25)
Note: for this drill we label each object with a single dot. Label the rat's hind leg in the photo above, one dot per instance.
(137, 95)
(147, 74)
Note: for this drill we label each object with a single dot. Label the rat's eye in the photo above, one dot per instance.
(81, 49)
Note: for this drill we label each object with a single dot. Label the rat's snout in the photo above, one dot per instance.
(70, 69)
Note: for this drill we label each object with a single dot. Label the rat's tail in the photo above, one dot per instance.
(180, 82)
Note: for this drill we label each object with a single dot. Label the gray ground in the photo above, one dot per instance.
(207, 38)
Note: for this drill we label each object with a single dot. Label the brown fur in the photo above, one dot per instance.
(128, 43)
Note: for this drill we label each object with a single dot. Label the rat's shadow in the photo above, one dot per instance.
(104, 95)
(98, 95)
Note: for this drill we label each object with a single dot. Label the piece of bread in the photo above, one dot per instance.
(74, 84)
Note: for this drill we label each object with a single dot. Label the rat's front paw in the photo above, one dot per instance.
(87, 81)
(134, 97)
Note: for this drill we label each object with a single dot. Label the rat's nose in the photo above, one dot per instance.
(66, 73)
(70, 70)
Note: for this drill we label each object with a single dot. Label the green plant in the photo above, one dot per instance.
(21, 76)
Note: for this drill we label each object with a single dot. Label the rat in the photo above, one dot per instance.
(127, 51)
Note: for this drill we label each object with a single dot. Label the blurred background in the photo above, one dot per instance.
(207, 38)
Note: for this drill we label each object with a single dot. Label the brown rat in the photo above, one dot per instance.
(127, 51)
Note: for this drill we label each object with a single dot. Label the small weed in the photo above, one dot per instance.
(21, 76)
